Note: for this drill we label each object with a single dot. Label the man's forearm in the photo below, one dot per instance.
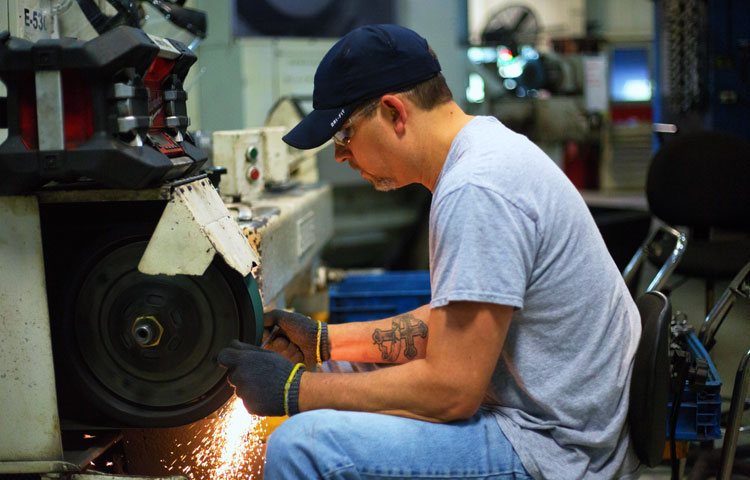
(446, 383)
(412, 390)
(396, 339)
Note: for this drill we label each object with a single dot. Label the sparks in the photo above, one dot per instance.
(229, 448)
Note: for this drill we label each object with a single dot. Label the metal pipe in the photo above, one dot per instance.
(739, 393)
(632, 268)
(719, 312)
(660, 280)
(637, 260)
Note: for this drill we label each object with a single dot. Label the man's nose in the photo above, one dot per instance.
(342, 154)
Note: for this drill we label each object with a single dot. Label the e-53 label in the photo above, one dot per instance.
(35, 20)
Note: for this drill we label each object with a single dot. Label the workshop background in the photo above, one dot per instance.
(600, 85)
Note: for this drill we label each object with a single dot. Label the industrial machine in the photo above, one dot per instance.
(71, 102)
(123, 269)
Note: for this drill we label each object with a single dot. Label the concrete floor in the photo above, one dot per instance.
(664, 472)
(658, 473)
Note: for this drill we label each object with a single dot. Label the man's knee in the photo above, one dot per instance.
(304, 446)
(295, 434)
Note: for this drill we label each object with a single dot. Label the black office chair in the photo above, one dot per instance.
(698, 184)
(649, 386)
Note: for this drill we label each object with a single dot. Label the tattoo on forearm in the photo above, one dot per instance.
(405, 328)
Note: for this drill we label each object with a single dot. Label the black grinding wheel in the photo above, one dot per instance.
(142, 347)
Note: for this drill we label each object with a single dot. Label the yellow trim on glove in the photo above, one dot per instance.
(287, 385)
(317, 350)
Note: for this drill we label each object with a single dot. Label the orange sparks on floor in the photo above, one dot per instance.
(229, 448)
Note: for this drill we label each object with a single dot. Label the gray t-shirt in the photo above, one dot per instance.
(507, 227)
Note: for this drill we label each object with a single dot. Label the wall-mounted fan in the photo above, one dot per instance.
(512, 26)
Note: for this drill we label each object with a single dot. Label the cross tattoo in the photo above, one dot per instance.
(402, 330)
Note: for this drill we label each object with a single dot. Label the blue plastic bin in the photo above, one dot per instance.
(363, 297)
(699, 417)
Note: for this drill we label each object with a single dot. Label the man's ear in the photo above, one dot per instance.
(396, 111)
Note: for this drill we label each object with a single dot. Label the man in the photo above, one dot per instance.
(520, 365)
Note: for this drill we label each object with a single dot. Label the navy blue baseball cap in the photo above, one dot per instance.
(367, 62)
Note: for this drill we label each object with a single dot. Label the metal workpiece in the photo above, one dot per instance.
(28, 394)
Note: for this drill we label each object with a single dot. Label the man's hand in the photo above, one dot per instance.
(266, 382)
(280, 344)
(309, 336)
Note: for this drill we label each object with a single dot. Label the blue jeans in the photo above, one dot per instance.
(330, 444)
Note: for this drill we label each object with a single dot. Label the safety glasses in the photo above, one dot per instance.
(344, 136)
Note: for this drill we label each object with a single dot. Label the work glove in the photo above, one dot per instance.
(309, 336)
(280, 344)
(267, 383)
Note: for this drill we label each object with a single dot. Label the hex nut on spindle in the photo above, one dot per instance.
(147, 331)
